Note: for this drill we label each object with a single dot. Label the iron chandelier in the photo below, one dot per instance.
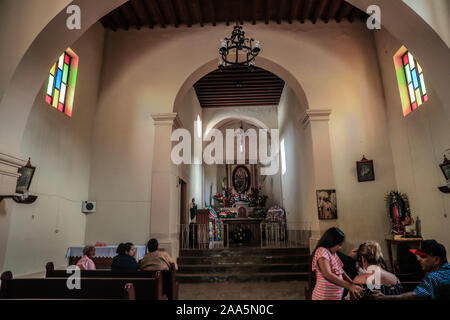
(230, 48)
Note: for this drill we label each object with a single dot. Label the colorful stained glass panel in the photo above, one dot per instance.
(51, 80)
(61, 61)
(411, 93)
(422, 84)
(65, 73)
(414, 78)
(58, 79)
(418, 97)
(405, 59)
(408, 74)
(56, 98)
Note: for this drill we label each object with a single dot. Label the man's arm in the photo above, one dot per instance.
(404, 296)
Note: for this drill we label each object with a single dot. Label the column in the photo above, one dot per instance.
(318, 134)
(164, 191)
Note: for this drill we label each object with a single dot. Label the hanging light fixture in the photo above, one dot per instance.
(230, 48)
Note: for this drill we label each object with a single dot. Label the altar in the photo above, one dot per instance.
(242, 232)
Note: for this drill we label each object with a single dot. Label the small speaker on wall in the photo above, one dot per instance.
(88, 206)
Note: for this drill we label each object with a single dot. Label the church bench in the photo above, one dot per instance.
(169, 284)
(56, 288)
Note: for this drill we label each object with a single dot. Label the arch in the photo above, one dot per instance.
(262, 62)
(223, 119)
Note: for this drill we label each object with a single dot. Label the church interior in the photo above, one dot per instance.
(352, 121)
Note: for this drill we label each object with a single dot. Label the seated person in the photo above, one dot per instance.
(374, 271)
(156, 259)
(125, 258)
(436, 284)
(86, 263)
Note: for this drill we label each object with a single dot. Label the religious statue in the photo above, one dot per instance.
(398, 209)
(193, 209)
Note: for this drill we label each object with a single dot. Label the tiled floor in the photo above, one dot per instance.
(292, 290)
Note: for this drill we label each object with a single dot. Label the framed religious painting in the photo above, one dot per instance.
(364, 170)
(26, 176)
(326, 204)
(241, 179)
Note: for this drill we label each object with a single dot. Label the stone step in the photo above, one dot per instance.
(244, 250)
(239, 277)
(242, 259)
(242, 268)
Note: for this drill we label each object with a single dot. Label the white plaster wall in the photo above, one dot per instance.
(418, 142)
(59, 147)
(192, 173)
(21, 21)
(436, 13)
(297, 181)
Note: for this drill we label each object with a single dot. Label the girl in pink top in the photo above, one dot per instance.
(331, 280)
(86, 263)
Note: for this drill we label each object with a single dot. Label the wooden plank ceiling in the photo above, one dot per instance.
(163, 13)
(239, 87)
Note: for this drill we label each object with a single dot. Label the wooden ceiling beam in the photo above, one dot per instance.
(353, 14)
(241, 12)
(281, 4)
(236, 90)
(126, 24)
(253, 11)
(266, 11)
(154, 7)
(198, 11)
(148, 13)
(213, 12)
(320, 8)
(135, 15)
(223, 105)
(306, 12)
(293, 10)
(333, 10)
(344, 11)
(172, 12)
(185, 9)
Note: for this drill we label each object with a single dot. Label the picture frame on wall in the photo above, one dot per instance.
(326, 204)
(364, 170)
(445, 167)
(26, 176)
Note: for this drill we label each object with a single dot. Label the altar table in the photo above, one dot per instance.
(233, 224)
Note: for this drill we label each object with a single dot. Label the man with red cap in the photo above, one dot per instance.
(436, 284)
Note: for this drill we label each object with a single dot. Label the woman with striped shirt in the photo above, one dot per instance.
(331, 280)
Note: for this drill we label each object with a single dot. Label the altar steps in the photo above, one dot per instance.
(243, 265)
(239, 277)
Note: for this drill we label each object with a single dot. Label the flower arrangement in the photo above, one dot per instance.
(227, 214)
(256, 198)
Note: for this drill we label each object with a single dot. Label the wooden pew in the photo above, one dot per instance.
(56, 288)
(168, 282)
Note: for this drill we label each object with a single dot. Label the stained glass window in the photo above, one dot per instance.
(61, 82)
(415, 83)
